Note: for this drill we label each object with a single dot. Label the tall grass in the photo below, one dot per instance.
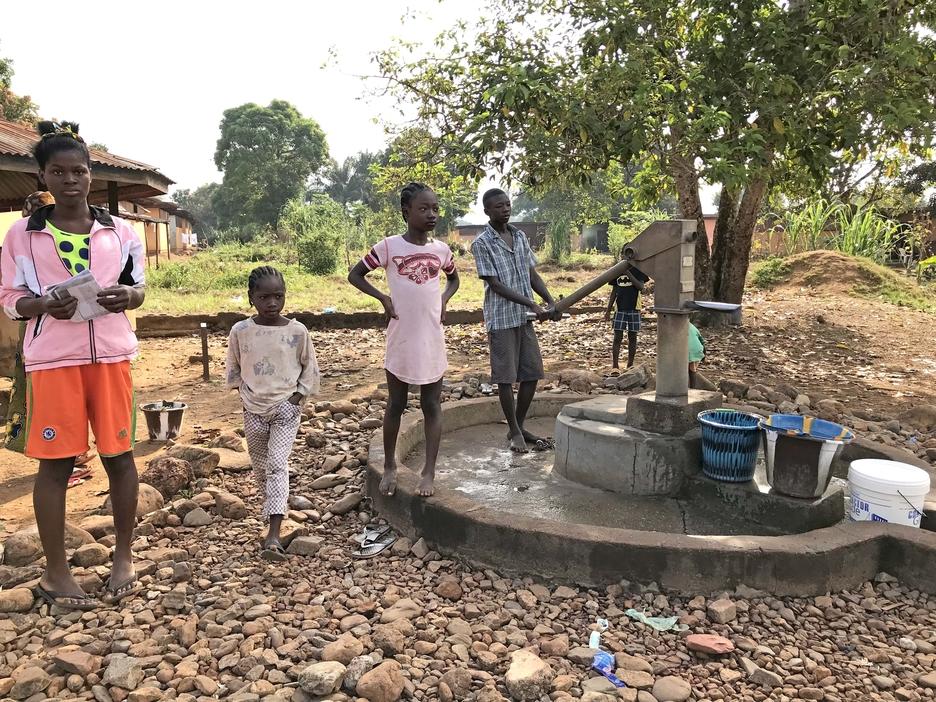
(852, 230)
(864, 232)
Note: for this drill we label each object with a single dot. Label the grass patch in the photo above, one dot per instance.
(216, 281)
(886, 285)
(769, 272)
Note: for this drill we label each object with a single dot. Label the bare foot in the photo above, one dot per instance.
(388, 482)
(517, 444)
(425, 487)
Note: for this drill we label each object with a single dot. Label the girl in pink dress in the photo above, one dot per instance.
(415, 312)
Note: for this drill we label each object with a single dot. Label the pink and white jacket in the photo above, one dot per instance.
(29, 264)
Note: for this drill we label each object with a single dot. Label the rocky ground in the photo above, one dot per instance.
(213, 620)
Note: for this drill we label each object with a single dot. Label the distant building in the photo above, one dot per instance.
(535, 232)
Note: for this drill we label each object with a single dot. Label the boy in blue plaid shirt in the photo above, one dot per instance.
(506, 264)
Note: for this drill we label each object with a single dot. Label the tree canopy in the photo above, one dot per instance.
(267, 155)
(15, 108)
(748, 95)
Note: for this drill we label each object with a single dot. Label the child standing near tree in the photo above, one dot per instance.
(415, 312)
(271, 362)
(625, 292)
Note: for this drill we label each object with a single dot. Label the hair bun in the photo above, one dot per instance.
(49, 127)
(46, 127)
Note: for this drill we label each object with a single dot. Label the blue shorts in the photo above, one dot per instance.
(627, 320)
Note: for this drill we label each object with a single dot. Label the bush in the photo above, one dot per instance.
(320, 230)
(770, 272)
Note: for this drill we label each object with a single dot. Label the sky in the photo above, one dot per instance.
(151, 81)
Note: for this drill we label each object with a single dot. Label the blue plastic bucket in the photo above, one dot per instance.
(729, 444)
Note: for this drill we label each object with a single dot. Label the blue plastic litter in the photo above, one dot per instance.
(730, 440)
(806, 427)
(603, 662)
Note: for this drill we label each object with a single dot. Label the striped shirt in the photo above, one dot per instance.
(512, 268)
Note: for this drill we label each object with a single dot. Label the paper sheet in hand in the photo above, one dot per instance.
(84, 288)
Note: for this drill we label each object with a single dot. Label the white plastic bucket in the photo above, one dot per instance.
(887, 491)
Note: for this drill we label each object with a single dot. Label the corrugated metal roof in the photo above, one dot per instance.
(17, 140)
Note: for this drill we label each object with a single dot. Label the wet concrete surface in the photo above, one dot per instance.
(476, 462)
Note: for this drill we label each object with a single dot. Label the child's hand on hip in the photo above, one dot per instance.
(389, 312)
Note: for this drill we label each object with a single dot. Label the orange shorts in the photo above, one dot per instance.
(60, 402)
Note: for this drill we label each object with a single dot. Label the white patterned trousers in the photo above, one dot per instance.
(269, 443)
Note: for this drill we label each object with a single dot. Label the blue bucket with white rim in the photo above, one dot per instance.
(730, 439)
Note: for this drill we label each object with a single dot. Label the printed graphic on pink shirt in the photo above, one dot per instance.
(419, 268)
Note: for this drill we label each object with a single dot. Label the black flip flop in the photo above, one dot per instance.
(273, 553)
(373, 533)
(374, 548)
(543, 445)
(128, 588)
(85, 603)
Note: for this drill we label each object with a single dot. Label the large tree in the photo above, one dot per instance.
(13, 107)
(743, 94)
(267, 155)
(200, 204)
(350, 181)
(416, 155)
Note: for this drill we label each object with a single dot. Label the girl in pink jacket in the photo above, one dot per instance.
(77, 358)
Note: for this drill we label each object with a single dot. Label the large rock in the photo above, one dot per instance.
(529, 677)
(346, 503)
(305, 545)
(343, 650)
(322, 678)
(197, 518)
(230, 441)
(921, 417)
(671, 689)
(343, 407)
(722, 611)
(91, 555)
(168, 475)
(229, 506)
(77, 662)
(579, 380)
(123, 671)
(24, 547)
(458, 681)
(357, 669)
(202, 460)
(29, 681)
(149, 500)
(631, 379)
(98, 525)
(382, 684)
(389, 639)
(17, 599)
(709, 643)
(404, 608)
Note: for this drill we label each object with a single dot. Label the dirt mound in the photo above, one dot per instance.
(832, 272)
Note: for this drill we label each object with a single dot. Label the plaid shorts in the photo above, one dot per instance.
(515, 355)
(627, 320)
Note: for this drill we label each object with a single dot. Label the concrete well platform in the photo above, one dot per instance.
(515, 513)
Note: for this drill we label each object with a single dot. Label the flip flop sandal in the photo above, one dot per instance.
(373, 532)
(274, 553)
(84, 603)
(78, 476)
(128, 588)
(544, 445)
(374, 548)
(85, 458)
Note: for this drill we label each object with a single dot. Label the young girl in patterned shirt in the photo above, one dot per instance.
(271, 362)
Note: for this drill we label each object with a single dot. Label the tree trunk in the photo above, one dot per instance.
(690, 207)
(727, 211)
(733, 249)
